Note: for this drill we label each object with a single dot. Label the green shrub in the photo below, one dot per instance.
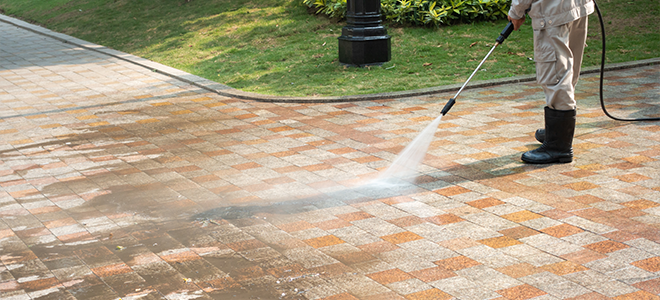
(332, 8)
(424, 12)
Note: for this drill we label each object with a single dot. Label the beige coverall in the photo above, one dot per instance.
(560, 33)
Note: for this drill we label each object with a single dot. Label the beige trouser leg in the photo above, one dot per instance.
(558, 55)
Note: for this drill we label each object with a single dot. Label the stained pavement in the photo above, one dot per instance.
(120, 182)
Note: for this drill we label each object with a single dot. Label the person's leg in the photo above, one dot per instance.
(557, 77)
(558, 81)
(576, 43)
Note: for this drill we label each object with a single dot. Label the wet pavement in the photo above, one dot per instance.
(120, 182)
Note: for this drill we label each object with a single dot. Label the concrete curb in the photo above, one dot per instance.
(228, 91)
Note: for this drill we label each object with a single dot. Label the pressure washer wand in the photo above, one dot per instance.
(503, 35)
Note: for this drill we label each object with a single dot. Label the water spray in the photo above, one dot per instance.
(407, 161)
(503, 35)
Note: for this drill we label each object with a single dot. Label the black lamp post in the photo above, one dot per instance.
(364, 41)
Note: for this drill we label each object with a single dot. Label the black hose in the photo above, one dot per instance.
(602, 71)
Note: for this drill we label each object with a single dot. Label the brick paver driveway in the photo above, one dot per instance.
(119, 182)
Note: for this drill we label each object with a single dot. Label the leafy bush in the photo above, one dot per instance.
(424, 12)
(332, 8)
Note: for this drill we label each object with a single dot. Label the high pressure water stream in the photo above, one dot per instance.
(405, 165)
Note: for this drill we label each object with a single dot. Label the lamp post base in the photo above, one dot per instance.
(364, 40)
(364, 50)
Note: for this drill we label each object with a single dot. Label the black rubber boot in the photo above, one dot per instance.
(540, 135)
(558, 142)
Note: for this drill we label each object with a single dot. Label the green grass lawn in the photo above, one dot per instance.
(276, 47)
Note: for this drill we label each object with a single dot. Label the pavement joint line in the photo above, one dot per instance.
(227, 91)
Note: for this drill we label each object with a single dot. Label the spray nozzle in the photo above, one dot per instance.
(448, 106)
(505, 33)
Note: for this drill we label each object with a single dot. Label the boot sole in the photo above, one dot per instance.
(561, 160)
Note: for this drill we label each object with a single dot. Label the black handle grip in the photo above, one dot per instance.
(505, 33)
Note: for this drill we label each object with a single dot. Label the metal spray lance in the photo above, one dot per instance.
(503, 35)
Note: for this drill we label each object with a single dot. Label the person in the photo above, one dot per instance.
(560, 32)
